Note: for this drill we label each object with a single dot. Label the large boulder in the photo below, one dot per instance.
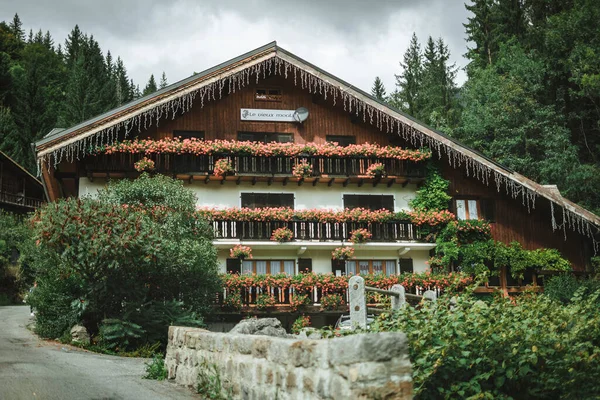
(80, 335)
(260, 326)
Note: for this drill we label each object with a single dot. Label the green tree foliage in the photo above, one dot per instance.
(150, 86)
(137, 261)
(533, 89)
(43, 86)
(408, 83)
(528, 347)
(163, 81)
(433, 194)
(378, 89)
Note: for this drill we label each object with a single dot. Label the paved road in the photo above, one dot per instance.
(31, 368)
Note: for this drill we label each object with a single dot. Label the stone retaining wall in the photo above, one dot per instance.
(365, 366)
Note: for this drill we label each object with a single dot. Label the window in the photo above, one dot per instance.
(341, 140)
(467, 209)
(263, 267)
(265, 137)
(265, 200)
(364, 267)
(188, 134)
(369, 201)
(264, 94)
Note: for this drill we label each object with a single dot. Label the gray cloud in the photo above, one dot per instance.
(356, 40)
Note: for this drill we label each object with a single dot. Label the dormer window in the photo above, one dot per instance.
(264, 94)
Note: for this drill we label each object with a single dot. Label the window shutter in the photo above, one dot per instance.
(233, 266)
(488, 209)
(406, 265)
(305, 265)
(338, 265)
(452, 206)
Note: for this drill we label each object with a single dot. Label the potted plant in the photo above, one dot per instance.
(145, 164)
(301, 322)
(299, 300)
(376, 170)
(360, 235)
(223, 167)
(302, 169)
(342, 253)
(240, 252)
(282, 235)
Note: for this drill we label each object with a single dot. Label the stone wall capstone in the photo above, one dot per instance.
(362, 366)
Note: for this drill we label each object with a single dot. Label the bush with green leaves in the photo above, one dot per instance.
(117, 259)
(433, 194)
(522, 348)
(564, 286)
(15, 235)
(156, 369)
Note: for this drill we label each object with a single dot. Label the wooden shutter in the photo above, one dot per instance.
(488, 209)
(406, 265)
(305, 265)
(338, 265)
(234, 266)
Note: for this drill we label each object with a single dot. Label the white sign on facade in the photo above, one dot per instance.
(255, 114)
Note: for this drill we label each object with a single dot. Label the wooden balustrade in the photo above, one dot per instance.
(390, 231)
(254, 165)
(283, 295)
(20, 200)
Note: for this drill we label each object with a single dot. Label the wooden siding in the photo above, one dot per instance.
(221, 119)
(513, 222)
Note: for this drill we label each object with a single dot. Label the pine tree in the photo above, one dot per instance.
(408, 83)
(378, 89)
(479, 29)
(150, 86)
(73, 43)
(163, 81)
(16, 27)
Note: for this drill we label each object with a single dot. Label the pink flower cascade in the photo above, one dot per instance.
(342, 253)
(212, 147)
(223, 167)
(375, 170)
(359, 215)
(145, 164)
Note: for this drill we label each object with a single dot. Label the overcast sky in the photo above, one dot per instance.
(355, 40)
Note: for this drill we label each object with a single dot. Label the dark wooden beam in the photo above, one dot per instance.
(376, 182)
(316, 181)
(270, 181)
(360, 182)
(331, 182)
(254, 181)
(346, 182)
(285, 180)
(207, 179)
(238, 180)
(391, 182)
(405, 183)
(223, 180)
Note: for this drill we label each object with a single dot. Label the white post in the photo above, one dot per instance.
(358, 302)
(400, 301)
(429, 295)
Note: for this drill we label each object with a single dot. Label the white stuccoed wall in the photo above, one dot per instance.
(306, 196)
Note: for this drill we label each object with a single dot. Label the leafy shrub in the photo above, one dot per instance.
(118, 258)
(298, 301)
(528, 347)
(210, 385)
(15, 235)
(233, 302)
(433, 194)
(156, 369)
(118, 334)
(563, 287)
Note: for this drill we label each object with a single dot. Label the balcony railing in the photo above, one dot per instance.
(252, 165)
(390, 231)
(20, 200)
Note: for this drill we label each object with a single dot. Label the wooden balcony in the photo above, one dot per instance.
(20, 200)
(246, 165)
(392, 231)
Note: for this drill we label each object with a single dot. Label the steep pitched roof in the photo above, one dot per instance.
(234, 74)
(21, 168)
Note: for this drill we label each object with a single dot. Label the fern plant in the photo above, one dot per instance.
(119, 334)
